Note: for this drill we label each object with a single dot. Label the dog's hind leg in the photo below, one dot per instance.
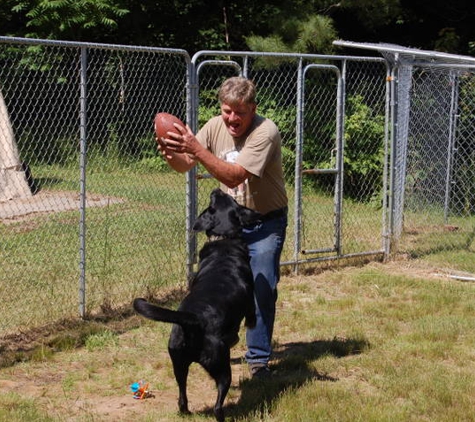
(220, 371)
(223, 382)
(181, 368)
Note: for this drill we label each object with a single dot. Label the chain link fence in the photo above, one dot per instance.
(330, 216)
(104, 219)
(91, 216)
(439, 187)
(431, 196)
(433, 166)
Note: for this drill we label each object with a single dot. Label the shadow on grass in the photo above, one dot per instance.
(40, 343)
(293, 369)
(39, 183)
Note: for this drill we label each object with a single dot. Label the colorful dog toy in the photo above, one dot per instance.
(140, 390)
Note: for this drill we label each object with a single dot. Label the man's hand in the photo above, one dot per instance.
(182, 142)
(162, 147)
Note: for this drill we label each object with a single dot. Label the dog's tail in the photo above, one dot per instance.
(156, 313)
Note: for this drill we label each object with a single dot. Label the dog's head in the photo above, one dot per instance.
(224, 217)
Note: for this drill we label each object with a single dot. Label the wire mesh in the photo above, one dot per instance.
(136, 208)
(431, 192)
(321, 211)
(438, 189)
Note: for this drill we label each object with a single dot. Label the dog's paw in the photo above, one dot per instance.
(250, 322)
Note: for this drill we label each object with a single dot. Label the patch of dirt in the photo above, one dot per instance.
(90, 399)
(103, 405)
(44, 202)
(420, 269)
(33, 368)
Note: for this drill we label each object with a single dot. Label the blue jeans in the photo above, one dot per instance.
(265, 242)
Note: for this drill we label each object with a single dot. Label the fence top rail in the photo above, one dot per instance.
(201, 53)
(446, 66)
(194, 59)
(408, 54)
(78, 44)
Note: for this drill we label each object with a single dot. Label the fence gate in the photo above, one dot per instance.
(319, 160)
(341, 160)
(331, 205)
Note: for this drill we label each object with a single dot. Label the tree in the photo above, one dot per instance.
(196, 25)
(313, 35)
(70, 19)
(275, 25)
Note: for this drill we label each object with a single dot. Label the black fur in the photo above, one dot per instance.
(206, 324)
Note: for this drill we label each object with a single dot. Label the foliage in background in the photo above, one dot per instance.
(314, 34)
(70, 19)
(224, 24)
(363, 151)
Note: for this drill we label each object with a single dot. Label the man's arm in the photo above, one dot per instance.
(183, 151)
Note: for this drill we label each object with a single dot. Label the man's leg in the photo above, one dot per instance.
(265, 243)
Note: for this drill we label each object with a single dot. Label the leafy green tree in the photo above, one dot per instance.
(196, 25)
(364, 149)
(276, 25)
(70, 19)
(363, 154)
(313, 35)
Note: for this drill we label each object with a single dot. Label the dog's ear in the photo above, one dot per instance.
(248, 216)
(205, 221)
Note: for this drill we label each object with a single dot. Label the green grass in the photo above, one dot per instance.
(381, 342)
(130, 247)
(138, 246)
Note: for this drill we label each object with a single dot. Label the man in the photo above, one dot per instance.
(242, 150)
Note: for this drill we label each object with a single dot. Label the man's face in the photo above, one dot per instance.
(238, 117)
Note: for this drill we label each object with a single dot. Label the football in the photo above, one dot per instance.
(163, 123)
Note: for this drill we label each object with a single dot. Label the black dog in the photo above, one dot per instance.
(221, 295)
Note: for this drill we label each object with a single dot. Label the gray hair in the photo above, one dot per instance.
(237, 90)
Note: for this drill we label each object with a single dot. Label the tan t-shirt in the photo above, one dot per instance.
(259, 152)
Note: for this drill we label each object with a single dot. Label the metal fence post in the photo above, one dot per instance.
(82, 185)
(451, 143)
(340, 122)
(298, 163)
(387, 171)
(404, 83)
(191, 188)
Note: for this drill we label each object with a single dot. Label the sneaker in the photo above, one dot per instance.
(260, 370)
